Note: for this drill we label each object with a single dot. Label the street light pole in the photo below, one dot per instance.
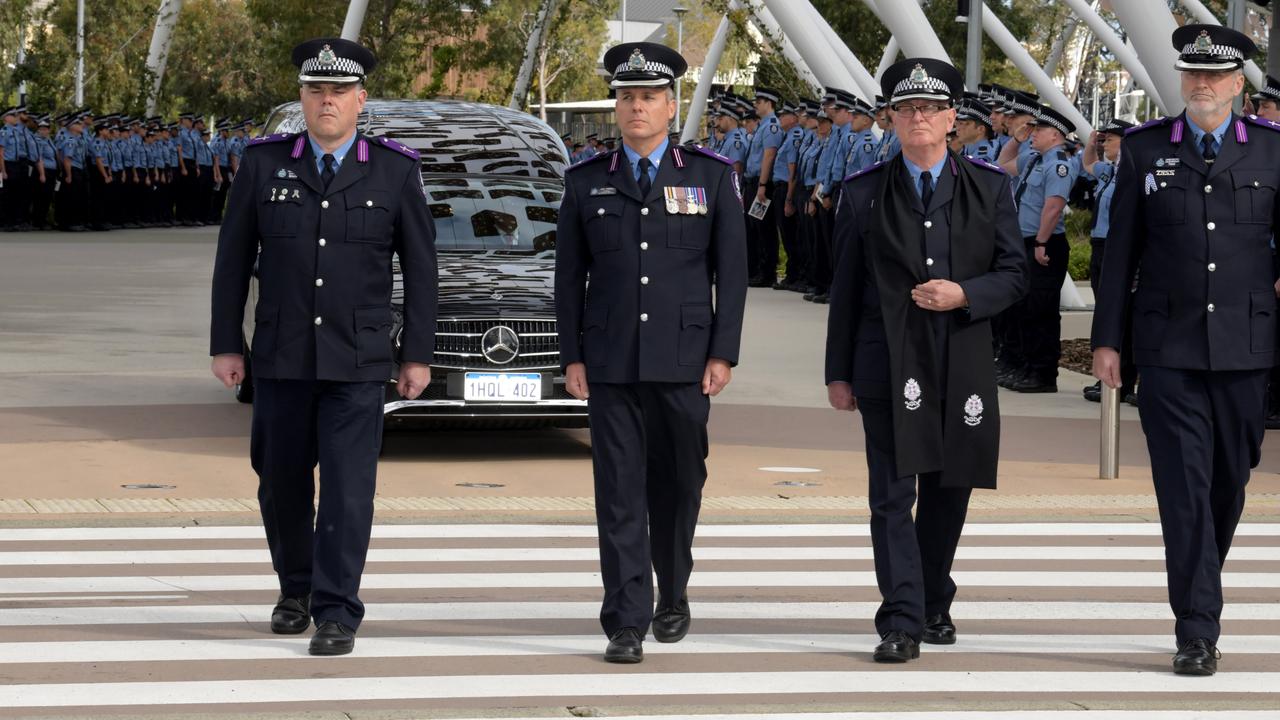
(679, 11)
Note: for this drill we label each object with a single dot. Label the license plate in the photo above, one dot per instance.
(502, 387)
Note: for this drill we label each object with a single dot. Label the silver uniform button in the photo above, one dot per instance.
(1213, 267)
(1164, 184)
(644, 246)
(928, 261)
(322, 242)
(1210, 307)
(600, 212)
(644, 211)
(928, 224)
(319, 282)
(1208, 188)
(1211, 226)
(324, 204)
(644, 317)
(319, 321)
(368, 203)
(644, 280)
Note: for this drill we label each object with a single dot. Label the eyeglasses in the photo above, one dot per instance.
(929, 110)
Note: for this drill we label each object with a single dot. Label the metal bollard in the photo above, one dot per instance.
(1109, 445)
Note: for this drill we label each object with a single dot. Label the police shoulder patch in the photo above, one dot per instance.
(390, 144)
(589, 160)
(707, 152)
(1263, 122)
(277, 137)
(773, 127)
(984, 164)
(1158, 122)
(1063, 171)
(866, 170)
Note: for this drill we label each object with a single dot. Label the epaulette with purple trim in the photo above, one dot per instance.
(708, 153)
(1263, 122)
(1158, 122)
(401, 148)
(278, 137)
(593, 158)
(866, 170)
(984, 164)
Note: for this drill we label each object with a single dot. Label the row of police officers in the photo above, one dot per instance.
(81, 172)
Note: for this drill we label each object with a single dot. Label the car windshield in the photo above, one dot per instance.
(492, 213)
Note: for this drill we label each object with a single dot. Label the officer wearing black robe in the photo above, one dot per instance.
(1192, 220)
(323, 225)
(928, 250)
(657, 230)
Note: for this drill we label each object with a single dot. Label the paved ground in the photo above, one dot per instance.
(109, 419)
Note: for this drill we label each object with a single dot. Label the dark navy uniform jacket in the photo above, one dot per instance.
(324, 304)
(857, 350)
(1198, 238)
(667, 287)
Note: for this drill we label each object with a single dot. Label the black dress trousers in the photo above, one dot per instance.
(298, 424)
(1204, 433)
(648, 450)
(913, 557)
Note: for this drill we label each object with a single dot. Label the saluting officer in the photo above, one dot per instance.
(1193, 215)
(658, 230)
(930, 250)
(323, 212)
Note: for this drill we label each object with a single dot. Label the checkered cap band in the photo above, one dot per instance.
(1214, 51)
(341, 66)
(930, 85)
(649, 67)
(1042, 119)
(968, 112)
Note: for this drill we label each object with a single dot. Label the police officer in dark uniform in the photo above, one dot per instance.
(658, 230)
(929, 251)
(1194, 213)
(322, 212)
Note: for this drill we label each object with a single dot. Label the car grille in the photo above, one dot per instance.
(458, 344)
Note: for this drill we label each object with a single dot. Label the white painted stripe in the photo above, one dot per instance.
(82, 598)
(228, 532)
(582, 685)
(275, 648)
(590, 554)
(587, 611)
(518, 579)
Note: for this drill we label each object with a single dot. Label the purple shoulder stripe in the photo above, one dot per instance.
(984, 164)
(1149, 124)
(1262, 122)
(278, 137)
(709, 153)
(865, 170)
(593, 158)
(390, 144)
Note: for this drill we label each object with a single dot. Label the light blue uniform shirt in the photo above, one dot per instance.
(318, 153)
(655, 158)
(916, 171)
(75, 149)
(48, 153)
(813, 158)
(1105, 174)
(1197, 133)
(862, 154)
(768, 135)
(1044, 176)
(987, 150)
(788, 152)
(734, 146)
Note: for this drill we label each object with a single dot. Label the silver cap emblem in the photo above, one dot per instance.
(1203, 42)
(918, 75)
(327, 56)
(637, 61)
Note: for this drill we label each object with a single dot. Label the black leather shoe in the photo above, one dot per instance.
(671, 624)
(1131, 398)
(1029, 383)
(821, 299)
(896, 647)
(1273, 420)
(939, 630)
(332, 638)
(1197, 657)
(625, 647)
(292, 615)
(809, 296)
(1093, 393)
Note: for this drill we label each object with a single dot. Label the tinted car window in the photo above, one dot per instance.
(488, 214)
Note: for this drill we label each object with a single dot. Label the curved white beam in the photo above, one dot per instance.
(1251, 70)
(1150, 25)
(698, 103)
(820, 56)
(158, 54)
(908, 24)
(1030, 69)
(769, 27)
(864, 85)
(1127, 57)
(889, 57)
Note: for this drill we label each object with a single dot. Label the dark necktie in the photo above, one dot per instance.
(326, 175)
(1022, 182)
(645, 182)
(926, 189)
(1209, 147)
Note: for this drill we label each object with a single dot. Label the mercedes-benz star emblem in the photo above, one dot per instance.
(500, 344)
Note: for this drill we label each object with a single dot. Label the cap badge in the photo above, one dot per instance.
(918, 75)
(636, 61)
(1203, 42)
(327, 56)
